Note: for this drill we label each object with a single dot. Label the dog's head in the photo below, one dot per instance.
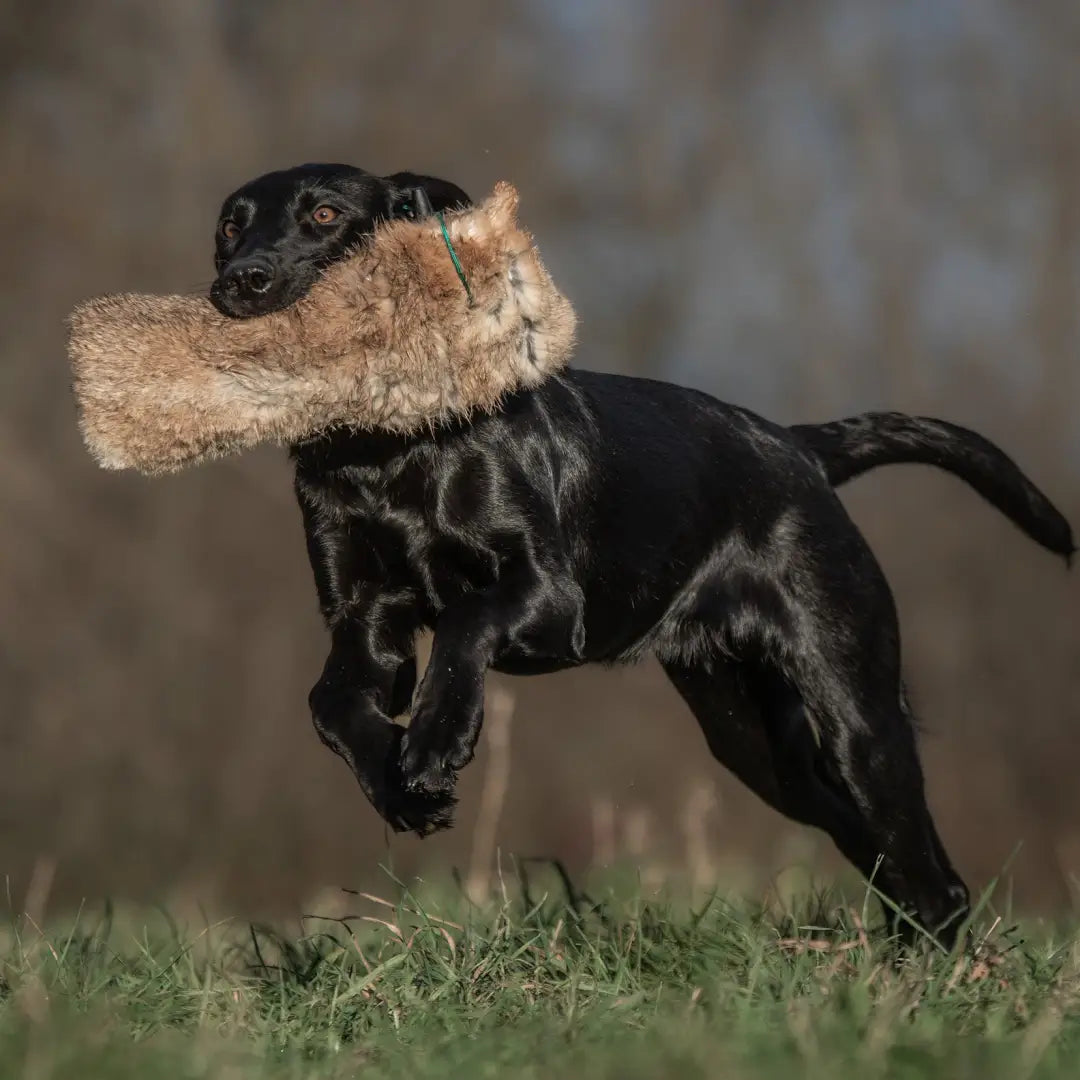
(277, 233)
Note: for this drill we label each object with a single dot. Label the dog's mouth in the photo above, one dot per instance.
(260, 284)
(248, 306)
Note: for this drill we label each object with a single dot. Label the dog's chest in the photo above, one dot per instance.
(399, 531)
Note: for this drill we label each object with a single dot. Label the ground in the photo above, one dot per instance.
(537, 984)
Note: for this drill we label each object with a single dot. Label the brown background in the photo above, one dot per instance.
(810, 209)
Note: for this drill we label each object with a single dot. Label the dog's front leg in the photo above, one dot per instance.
(532, 611)
(362, 685)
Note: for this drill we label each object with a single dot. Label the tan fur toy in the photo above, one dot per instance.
(387, 339)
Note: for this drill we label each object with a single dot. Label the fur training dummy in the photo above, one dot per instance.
(387, 339)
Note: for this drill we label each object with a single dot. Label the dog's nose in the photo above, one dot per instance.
(248, 276)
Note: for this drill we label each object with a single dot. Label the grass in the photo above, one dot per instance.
(552, 986)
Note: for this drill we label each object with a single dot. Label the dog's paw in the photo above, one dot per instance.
(420, 812)
(435, 746)
(427, 767)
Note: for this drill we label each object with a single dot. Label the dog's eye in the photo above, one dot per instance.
(323, 215)
(230, 230)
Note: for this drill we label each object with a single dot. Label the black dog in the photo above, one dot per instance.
(596, 519)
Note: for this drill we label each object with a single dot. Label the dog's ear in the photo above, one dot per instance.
(414, 196)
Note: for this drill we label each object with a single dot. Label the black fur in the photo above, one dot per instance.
(597, 519)
(848, 448)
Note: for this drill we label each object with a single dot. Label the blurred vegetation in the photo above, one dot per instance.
(810, 209)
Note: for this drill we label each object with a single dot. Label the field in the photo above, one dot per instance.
(539, 982)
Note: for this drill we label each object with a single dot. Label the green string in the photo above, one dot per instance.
(454, 257)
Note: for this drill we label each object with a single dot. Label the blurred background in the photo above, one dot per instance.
(810, 209)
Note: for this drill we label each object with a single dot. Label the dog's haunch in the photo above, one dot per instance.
(388, 339)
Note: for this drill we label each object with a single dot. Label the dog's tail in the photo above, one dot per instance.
(850, 447)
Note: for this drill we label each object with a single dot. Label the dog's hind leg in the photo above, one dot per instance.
(864, 789)
(812, 633)
(757, 728)
(731, 721)
(767, 743)
(851, 767)
(837, 675)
